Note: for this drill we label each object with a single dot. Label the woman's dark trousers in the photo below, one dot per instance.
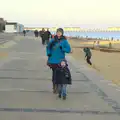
(55, 87)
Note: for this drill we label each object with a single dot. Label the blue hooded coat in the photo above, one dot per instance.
(56, 50)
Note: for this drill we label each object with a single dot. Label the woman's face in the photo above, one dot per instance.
(59, 34)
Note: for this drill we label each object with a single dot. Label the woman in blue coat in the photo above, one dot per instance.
(56, 50)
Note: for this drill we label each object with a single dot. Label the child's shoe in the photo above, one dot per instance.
(64, 97)
(59, 95)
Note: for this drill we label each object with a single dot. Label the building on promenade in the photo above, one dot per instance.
(14, 27)
(2, 24)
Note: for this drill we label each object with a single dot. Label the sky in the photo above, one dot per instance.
(83, 13)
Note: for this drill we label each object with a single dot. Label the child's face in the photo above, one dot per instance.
(63, 64)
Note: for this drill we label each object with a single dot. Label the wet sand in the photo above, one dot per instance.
(107, 64)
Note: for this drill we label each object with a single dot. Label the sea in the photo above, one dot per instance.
(101, 35)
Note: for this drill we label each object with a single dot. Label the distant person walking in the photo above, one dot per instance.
(98, 44)
(36, 33)
(88, 55)
(42, 32)
(47, 36)
(24, 32)
(56, 50)
(39, 33)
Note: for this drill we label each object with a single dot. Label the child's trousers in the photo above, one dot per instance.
(62, 89)
(88, 60)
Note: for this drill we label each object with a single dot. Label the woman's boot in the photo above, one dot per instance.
(54, 89)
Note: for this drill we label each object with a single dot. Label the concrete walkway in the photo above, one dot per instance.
(26, 89)
(4, 37)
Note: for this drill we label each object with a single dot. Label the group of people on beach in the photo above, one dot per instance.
(56, 50)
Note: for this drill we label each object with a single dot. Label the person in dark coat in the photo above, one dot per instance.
(47, 36)
(42, 35)
(24, 32)
(62, 78)
(36, 33)
(88, 55)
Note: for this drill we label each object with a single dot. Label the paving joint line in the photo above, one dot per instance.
(61, 111)
(26, 78)
(40, 91)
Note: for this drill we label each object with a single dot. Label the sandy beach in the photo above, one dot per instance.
(107, 64)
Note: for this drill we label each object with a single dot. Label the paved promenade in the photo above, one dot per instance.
(26, 89)
(4, 37)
